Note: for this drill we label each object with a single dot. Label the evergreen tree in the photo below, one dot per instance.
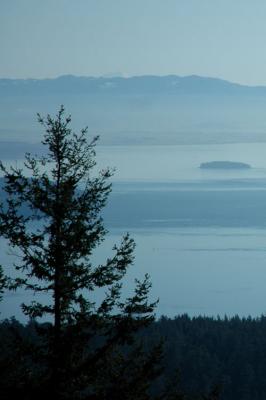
(52, 216)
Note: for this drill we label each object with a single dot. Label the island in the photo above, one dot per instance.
(224, 165)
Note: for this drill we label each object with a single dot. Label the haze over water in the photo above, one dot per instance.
(200, 234)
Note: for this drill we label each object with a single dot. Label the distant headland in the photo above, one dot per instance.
(224, 165)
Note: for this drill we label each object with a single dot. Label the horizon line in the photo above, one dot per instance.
(125, 76)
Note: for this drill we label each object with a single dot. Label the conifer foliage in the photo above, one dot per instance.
(52, 218)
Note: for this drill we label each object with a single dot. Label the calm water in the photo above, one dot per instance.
(201, 235)
(180, 163)
(206, 271)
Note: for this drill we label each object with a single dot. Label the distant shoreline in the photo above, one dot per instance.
(224, 165)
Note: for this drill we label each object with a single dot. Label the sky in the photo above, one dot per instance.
(216, 38)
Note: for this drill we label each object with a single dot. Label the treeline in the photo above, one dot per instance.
(228, 352)
(200, 353)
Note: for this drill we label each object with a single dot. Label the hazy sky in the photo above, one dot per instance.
(220, 38)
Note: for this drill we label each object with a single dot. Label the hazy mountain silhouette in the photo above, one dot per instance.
(138, 110)
(143, 85)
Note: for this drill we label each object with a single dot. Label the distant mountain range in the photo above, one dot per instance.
(137, 110)
(142, 85)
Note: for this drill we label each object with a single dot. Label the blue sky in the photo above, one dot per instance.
(219, 38)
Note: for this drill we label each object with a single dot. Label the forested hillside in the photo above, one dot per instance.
(206, 352)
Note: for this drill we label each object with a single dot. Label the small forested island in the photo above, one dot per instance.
(224, 165)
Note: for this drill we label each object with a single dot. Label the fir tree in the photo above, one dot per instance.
(52, 216)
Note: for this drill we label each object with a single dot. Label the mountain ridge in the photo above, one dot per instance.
(138, 110)
(145, 84)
